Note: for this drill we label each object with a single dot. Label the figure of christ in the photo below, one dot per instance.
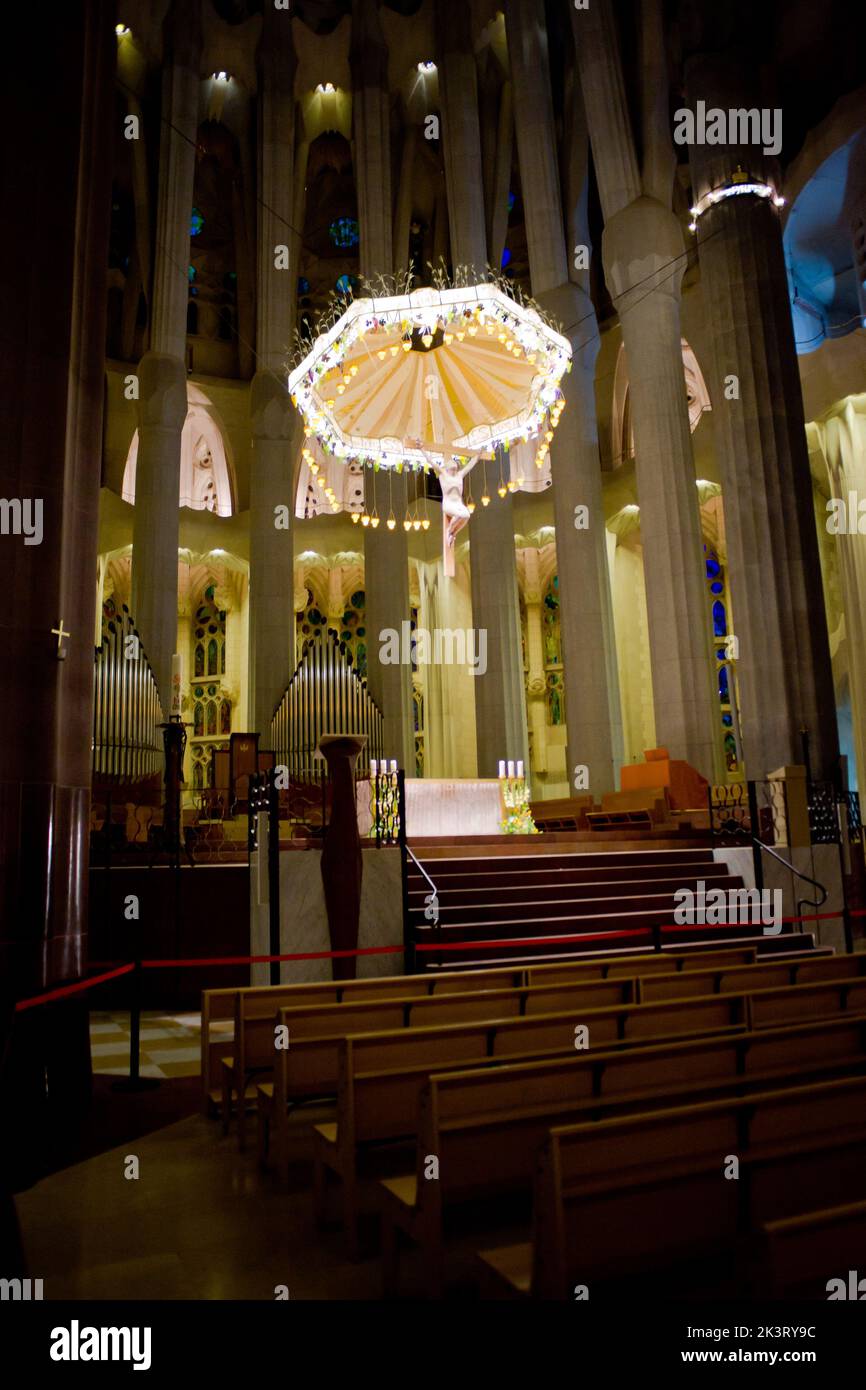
(455, 512)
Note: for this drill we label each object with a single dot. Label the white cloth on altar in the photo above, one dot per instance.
(439, 806)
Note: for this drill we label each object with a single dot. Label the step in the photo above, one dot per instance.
(622, 908)
(456, 898)
(541, 876)
(563, 945)
(519, 863)
(794, 943)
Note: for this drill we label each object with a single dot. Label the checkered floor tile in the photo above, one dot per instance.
(170, 1044)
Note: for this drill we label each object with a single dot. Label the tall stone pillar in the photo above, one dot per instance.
(588, 647)
(500, 707)
(386, 554)
(162, 371)
(52, 355)
(644, 260)
(273, 422)
(784, 667)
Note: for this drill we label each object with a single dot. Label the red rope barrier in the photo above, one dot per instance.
(64, 991)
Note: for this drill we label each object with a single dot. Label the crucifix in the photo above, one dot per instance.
(455, 512)
(60, 632)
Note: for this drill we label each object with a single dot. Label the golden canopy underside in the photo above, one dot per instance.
(438, 396)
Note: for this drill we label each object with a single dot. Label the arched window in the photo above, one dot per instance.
(353, 632)
(552, 640)
(716, 584)
(212, 707)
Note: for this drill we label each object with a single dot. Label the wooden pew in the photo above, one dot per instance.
(609, 1195)
(801, 1254)
(768, 974)
(254, 1007)
(380, 1085)
(485, 1126)
(219, 1005)
(254, 1050)
(310, 1066)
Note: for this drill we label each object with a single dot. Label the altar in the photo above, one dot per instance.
(439, 806)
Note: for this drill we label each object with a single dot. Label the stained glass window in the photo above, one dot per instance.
(716, 587)
(196, 222)
(551, 637)
(344, 232)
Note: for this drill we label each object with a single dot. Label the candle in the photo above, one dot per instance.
(520, 769)
(501, 768)
(510, 768)
(373, 766)
(175, 683)
(393, 764)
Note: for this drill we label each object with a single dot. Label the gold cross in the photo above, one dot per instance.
(60, 633)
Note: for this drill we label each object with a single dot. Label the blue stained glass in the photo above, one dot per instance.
(196, 222)
(727, 720)
(303, 285)
(506, 258)
(720, 619)
(713, 566)
(723, 682)
(344, 232)
(717, 588)
(511, 201)
(720, 653)
(346, 284)
(190, 273)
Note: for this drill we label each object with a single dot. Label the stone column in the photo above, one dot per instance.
(386, 556)
(588, 645)
(500, 711)
(162, 371)
(843, 446)
(52, 370)
(644, 261)
(775, 577)
(273, 422)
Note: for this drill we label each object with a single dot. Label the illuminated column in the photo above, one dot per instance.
(386, 555)
(274, 424)
(162, 402)
(588, 647)
(500, 708)
(536, 682)
(644, 261)
(784, 669)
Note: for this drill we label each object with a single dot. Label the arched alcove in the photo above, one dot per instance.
(622, 430)
(206, 472)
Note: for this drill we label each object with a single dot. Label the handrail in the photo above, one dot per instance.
(805, 877)
(434, 896)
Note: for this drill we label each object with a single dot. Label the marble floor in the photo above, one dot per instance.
(170, 1044)
(202, 1221)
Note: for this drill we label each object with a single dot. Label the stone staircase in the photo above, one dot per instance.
(500, 904)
